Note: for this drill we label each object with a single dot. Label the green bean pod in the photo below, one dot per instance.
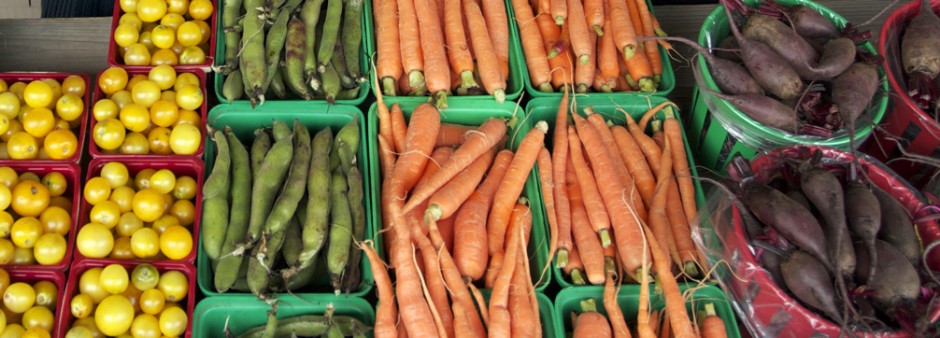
(231, 10)
(265, 186)
(217, 184)
(286, 204)
(280, 130)
(259, 148)
(358, 213)
(334, 332)
(330, 83)
(233, 87)
(241, 285)
(252, 55)
(349, 135)
(348, 94)
(230, 262)
(292, 243)
(347, 157)
(337, 254)
(316, 222)
(301, 278)
(339, 63)
(260, 263)
(352, 37)
(294, 54)
(270, 328)
(334, 14)
(277, 86)
(310, 325)
(310, 14)
(275, 38)
(215, 200)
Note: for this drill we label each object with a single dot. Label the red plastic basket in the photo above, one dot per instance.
(114, 59)
(191, 167)
(64, 320)
(905, 121)
(767, 302)
(72, 174)
(56, 277)
(27, 77)
(203, 112)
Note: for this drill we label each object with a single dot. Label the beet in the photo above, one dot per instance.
(789, 218)
(731, 77)
(853, 90)
(800, 198)
(863, 214)
(808, 280)
(727, 49)
(781, 38)
(763, 109)
(811, 24)
(895, 280)
(920, 45)
(824, 190)
(896, 227)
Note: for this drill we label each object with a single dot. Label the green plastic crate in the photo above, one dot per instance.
(243, 312)
(666, 85)
(474, 113)
(568, 301)
(365, 51)
(514, 84)
(546, 109)
(715, 146)
(243, 120)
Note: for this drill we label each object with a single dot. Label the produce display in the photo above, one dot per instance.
(162, 32)
(29, 303)
(590, 44)
(36, 216)
(589, 322)
(148, 112)
(285, 209)
(148, 213)
(312, 51)
(42, 119)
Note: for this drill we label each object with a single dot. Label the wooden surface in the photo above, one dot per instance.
(81, 44)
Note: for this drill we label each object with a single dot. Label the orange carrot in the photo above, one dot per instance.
(462, 328)
(536, 321)
(497, 24)
(641, 70)
(658, 135)
(597, 212)
(622, 28)
(584, 73)
(500, 325)
(617, 322)
(398, 128)
(544, 162)
(458, 51)
(681, 165)
(675, 305)
(438, 6)
(559, 11)
(386, 158)
(524, 320)
(602, 84)
(644, 327)
(579, 33)
(419, 142)
(551, 34)
(387, 161)
(712, 326)
(436, 67)
(485, 52)
(532, 45)
(626, 179)
(651, 49)
(544, 7)
(635, 18)
(589, 246)
(559, 174)
(626, 230)
(607, 55)
(493, 269)
(634, 159)
(594, 12)
(384, 116)
(575, 269)
(471, 252)
(477, 144)
(681, 233)
(452, 134)
(434, 279)
(590, 323)
(438, 156)
(413, 307)
(512, 184)
(562, 72)
(624, 82)
(664, 331)
(386, 313)
(388, 66)
(411, 54)
(455, 284)
(658, 221)
(402, 330)
(651, 113)
(646, 144)
(447, 232)
(446, 201)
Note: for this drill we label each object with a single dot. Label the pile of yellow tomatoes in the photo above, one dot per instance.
(35, 217)
(163, 32)
(39, 119)
(28, 308)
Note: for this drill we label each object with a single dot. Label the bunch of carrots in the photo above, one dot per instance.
(591, 323)
(441, 181)
(602, 45)
(434, 47)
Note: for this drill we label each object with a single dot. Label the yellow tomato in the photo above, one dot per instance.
(47, 294)
(164, 113)
(189, 34)
(15, 126)
(97, 190)
(38, 94)
(145, 277)
(115, 313)
(145, 326)
(163, 76)
(137, 55)
(142, 179)
(6, 197)
(38, 317)
(122, 98)
(126, 35)
(94, 241)
(204, 29)
(177, 6)
(70, 107)
(8, 177)
(163, 36)
(135, 144)
(168, 95)
(13, 331)
(60, 144)
(185, 139)
(129, 6)
(164, 56)
(55, 219)
(172, 20)
(189, 117)
(131, 18)
(200, 9)
(192, 55)
(9, 104)
(176, 242)
(109, 134)
(150, 11)
(89, 283)
(159, 139)
(30, 198)
(145, 93)
(128, 224)
(22, 146)
(146, 38)
(36, 332)
(135, 80)
(106, 213)
(123, 196)
(105, 109)
(135, 117)
(184, 211)
(38, 122)
(114, 279)
(19, 297)
(50, 249)
(80, 332)
(22, 256)
(89, 323)
(145, 243)
(173, 321)
(115, 173)
(73, 84)
(174, 285)
(163, 181)
(81, 305)
(122, 249)
(152, 301)
(148, 204)
(25, 232)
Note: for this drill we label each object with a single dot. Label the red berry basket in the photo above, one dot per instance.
(764, 307)
(115, 60)
(56, 277)
(64, 314)
(72, 174)
(905, 124)
(203, 113)
(191, 167)
(11, 77)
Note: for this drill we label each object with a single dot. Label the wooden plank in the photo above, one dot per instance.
(20, 9)
(61, 45)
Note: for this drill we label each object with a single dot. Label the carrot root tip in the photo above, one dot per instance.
(606, 88)
(546, 87)
(577, 278)
(388, 86)
(440, 100)
(605, 238)
(561, 259)
(628, 52)
(599, 30)
(416, 81)
(559, 20)
(582, 88)
(584, 59)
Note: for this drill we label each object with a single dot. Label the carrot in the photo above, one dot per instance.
(493, 268)
(589, 246)
(419, 142)
(624, 82)
(651, 113)
(551, 34)
(650, 47)
(512, 184)
(658, 221)
(626, 179)
(607, 54)
(524, 320)
(476, 145)
(386, 311)
(664, 331)
(411, 48)
(413, 307)
(681, 165)
(681, 233)
(622, 28)
(597, 212)
(600, 84)
(584, 73)
(438, 156)
(643, 323)
(590, 323)
(455, 284)
(485, 52)
(500, 325)
(387, 161)
(617, 322)
(646, 144)
(641, 71)
(626, 230)
(547, 180)
(675, 305)
(398, 128)
(386, 158)
(438, 6)
(560, 192)
(436, 67)
(559, 11)
(712, 326)
(446, 201)
(471, 251)
(536, 321)
(447, 232)
(562, 71)
(544, 7)
(634, 159)
(457, 49)
(658, 135)
(452, 134)
(388, 66)
(594, 12)
(532, 45)
(579, 33)
(402, 331)
(462, 328)
(384, 116)
(497, 24)
(574, 268)
(434, 279)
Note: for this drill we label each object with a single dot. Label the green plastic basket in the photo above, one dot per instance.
(568, 301)
(546, 109)
(243, 312)
(712, 141)
(514, 87)
(474, 113)
(243, 120)
(365, 51)
(666, 85)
